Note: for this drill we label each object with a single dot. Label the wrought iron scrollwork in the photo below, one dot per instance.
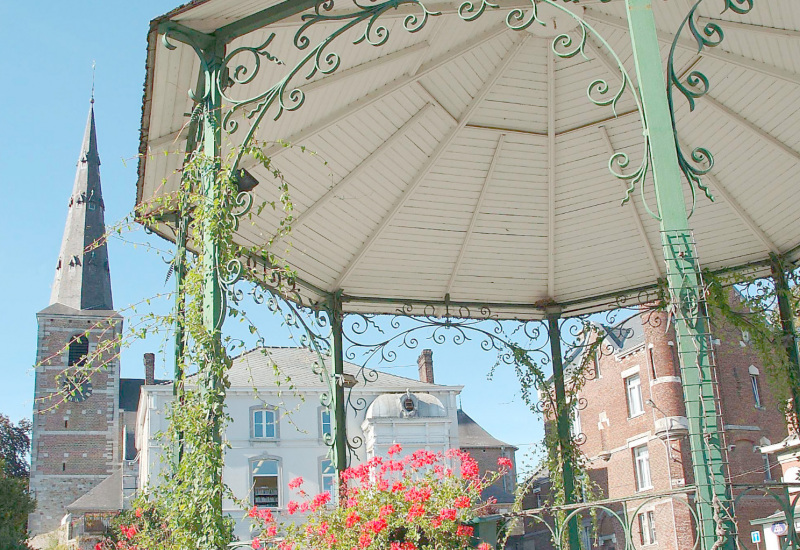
(693, 86)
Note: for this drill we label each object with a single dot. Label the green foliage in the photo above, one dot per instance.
(15, 442)
(15, 505)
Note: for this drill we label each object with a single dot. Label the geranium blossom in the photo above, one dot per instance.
(296, 482)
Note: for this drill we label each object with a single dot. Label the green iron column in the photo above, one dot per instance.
(180, 315)
(338, 414)
(563, 420)
(684, 280)
(213, 312)
(789, 331)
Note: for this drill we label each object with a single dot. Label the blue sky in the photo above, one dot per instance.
(45, 101)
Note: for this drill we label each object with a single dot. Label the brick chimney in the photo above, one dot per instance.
(149, 368)
(425, 362)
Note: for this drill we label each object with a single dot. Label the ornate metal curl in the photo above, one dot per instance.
(693, 86)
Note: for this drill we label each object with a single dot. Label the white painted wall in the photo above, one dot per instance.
(299, 447)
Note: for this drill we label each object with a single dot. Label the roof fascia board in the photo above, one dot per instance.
(263, 18)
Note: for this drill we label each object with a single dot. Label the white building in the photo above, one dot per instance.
(277, 435)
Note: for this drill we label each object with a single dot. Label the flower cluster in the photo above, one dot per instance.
(420, 501)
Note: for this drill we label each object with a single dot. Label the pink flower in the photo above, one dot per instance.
(448, 514)
(387, 510)
(296, 482)
(505, 462)
(364, 540)
(484, 546)
(256, 544)
(394, 449)
(292, 507)
(266, 515)
(253, 512)
(138, 512)
(272, 530)
(323, 528)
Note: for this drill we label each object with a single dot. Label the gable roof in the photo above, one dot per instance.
(471, 435)
(105, 497)
(257, 369)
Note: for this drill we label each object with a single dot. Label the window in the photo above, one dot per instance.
(328, 476)
(78, 350)
(264, 424)
(575, 424)
(753, 370)
(596, 363)
(676, 359)
(633, 387)
(641, 463)
(767, 469)
(95, 523)
(265, 483)
(651, 359)
(647, 527)
(587, 536)
(325, 422)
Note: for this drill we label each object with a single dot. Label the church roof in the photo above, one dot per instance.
(105, 497)
(471, 435)
(83, 280)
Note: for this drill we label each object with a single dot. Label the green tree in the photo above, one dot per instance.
(15, 501)
(15, 442)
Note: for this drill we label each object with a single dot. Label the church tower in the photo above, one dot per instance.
(75, 441)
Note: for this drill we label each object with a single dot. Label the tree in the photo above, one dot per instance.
(15, 500)
(15, 442)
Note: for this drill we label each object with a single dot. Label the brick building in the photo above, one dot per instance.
(634, 425)
(81, 456)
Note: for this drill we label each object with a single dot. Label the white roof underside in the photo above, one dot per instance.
(435, 155)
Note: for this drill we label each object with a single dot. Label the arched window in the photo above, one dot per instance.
(78, 350)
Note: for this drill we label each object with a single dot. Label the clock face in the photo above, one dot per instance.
(76, 389)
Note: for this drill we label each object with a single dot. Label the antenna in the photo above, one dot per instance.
(94, 64)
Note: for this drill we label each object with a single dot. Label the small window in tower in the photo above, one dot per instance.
(652, 361)
(78, 350)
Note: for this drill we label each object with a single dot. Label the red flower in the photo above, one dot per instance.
(323, 528)
(292, 507)
(505, 462)
(138, 512)
(394, 449)
(296, 482)
(418, 495)
(448, 513)
(256, 544)
(99, 546)
(272, 530)
(376, 525)
(464, 531)
(352, 519)
(364, 540)
(397, 487)
(462, 502)
(253, 512)
(266, 515)
(320, 500)
(484, 546)
(416, 511)
(469, 468)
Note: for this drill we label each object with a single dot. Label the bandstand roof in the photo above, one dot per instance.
(465, 160)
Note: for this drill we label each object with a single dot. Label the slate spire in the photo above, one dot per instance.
(83, 280)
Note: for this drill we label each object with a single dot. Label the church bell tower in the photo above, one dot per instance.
(75, 441)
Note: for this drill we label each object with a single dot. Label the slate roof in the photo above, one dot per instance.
(627, 336)
(129, 389)
(255, 368)
(105, 497)
(471, 435)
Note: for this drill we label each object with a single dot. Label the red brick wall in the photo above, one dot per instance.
(74, 445)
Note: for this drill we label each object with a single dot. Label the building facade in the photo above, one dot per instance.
(277, 435)
(633, 430)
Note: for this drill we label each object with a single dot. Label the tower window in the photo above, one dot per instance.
(651, 358)
(633, 390)
(754, 384)
(78, 350)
